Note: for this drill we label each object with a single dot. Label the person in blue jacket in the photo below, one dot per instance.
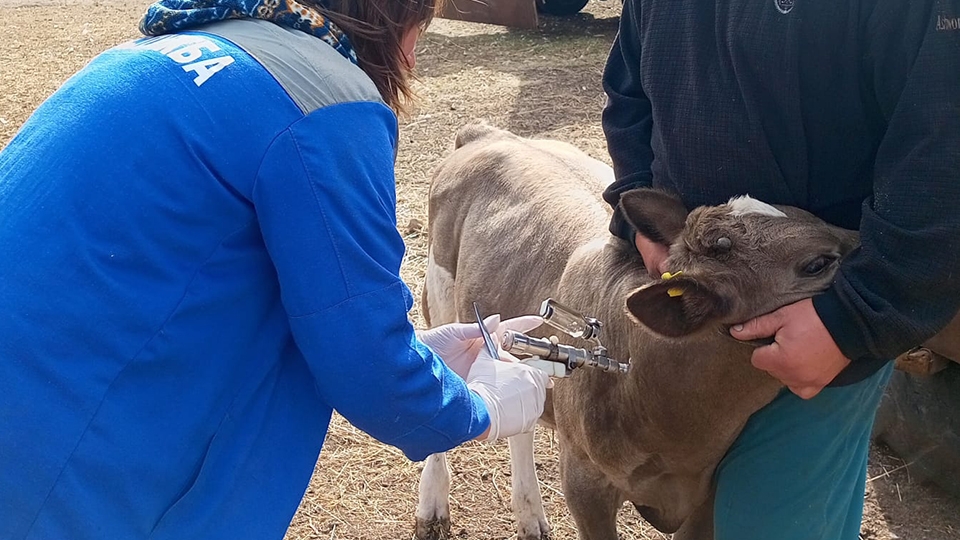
(850, 110)
(199, 262)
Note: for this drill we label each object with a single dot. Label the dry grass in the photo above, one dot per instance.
(365, 490)
(540, 83)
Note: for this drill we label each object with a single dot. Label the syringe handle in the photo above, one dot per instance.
(553, 369)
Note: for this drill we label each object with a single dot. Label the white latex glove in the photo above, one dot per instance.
(459, 343)
(513, 393)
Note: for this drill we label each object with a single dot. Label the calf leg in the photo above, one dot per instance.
(526, 499)
(592, 500)
(433, 508)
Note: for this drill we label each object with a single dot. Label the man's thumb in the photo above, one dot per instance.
(760, 327)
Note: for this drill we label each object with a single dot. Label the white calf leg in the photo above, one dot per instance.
(433, 509)
(527, 503)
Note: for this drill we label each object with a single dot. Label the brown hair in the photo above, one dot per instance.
(375, 29)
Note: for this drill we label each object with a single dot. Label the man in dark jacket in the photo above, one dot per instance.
(849, 110)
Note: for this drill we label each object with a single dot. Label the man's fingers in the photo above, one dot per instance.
(522, 324)
(766, 358)
(761, 327)
(769, 358)
(654, 255)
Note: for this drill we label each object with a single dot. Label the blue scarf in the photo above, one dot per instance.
(168, 16)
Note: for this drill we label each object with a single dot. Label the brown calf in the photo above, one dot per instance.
(514, 221)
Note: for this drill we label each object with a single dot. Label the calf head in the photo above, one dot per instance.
(731, 262)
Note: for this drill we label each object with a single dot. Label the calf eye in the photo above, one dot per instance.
(818, 265)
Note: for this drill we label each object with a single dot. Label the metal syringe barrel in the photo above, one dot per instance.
(519, 343)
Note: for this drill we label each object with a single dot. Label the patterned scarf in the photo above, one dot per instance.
(168, 16)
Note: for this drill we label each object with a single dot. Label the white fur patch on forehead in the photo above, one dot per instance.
(746, 204)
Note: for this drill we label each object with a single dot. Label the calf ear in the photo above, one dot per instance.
(676, 307)
(655, 214)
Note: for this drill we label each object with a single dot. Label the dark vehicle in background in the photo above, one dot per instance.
(513, 13)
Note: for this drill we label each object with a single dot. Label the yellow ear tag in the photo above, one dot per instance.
(672, 291)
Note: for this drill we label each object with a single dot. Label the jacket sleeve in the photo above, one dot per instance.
(903, 284)
(627, 117)
(326, 202)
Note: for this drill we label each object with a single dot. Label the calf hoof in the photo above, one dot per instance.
(539, 531)
(433, 529)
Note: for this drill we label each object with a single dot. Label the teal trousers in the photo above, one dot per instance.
(798, 469)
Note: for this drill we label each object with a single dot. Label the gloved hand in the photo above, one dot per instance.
(513, 393)
(459, 343)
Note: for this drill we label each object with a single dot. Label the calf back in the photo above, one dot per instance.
(505, 215)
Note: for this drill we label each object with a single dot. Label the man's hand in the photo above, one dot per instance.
(803, 357)
(654, 255)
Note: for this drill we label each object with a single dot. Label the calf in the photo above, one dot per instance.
(514, 221)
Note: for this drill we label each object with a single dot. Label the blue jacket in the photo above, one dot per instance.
(198, 264)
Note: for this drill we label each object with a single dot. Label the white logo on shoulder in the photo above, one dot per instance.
(947, 23)
(784, 6)
(746, 204)
(194, 53)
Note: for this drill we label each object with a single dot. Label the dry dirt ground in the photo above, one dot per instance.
(536, 83)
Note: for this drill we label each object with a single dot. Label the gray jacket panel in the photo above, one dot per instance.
(312, 72)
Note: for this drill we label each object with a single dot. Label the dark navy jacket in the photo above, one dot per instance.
(848, 109)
